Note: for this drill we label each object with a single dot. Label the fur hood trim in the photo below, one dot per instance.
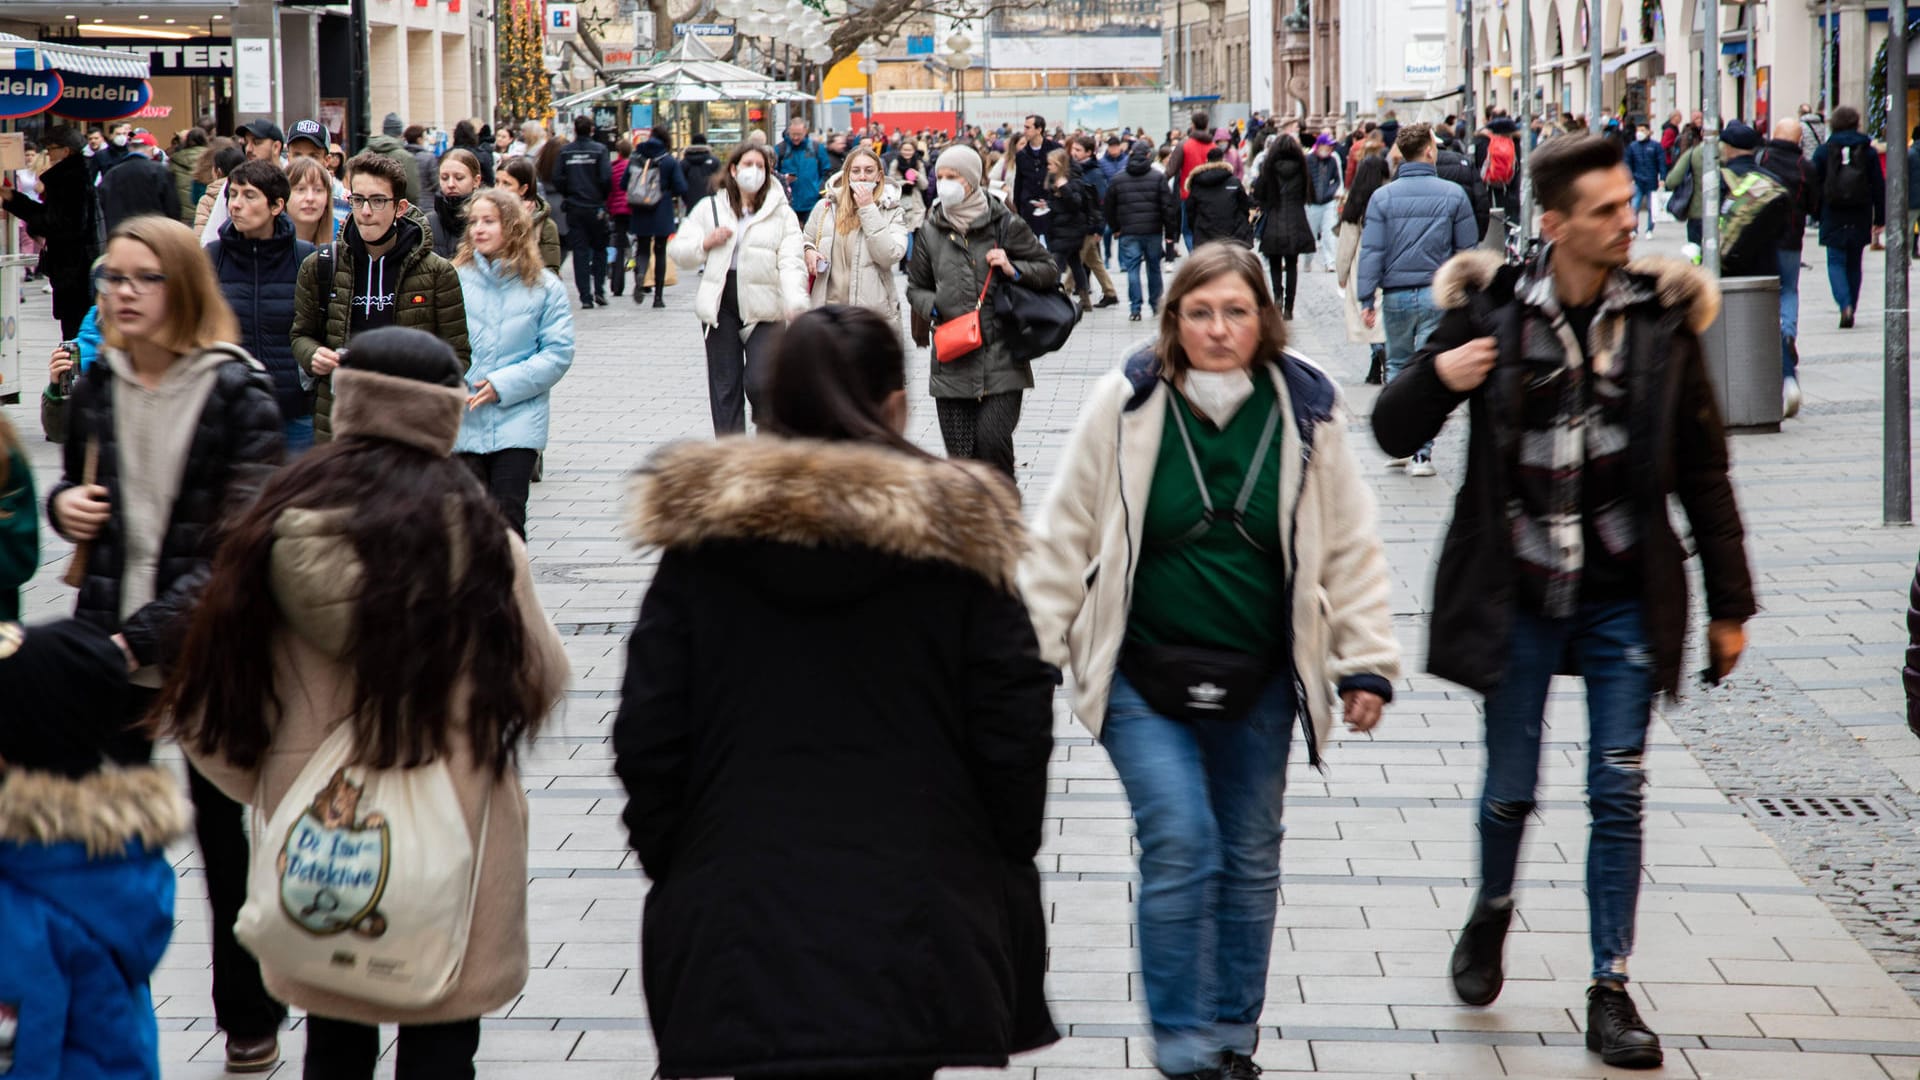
(104, 810)
(1678, 284)
(821, 494)
(1209, 167)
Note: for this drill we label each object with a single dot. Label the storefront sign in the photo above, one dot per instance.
(563, 20)
(27, 93)
(253, 76)
(198, 56)
(94, 97)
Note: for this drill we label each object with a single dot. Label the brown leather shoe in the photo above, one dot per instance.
(255, 1055)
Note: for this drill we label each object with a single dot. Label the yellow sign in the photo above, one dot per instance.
(844, 78)
(1503, 73)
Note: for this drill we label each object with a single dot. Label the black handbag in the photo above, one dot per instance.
(1032, 322)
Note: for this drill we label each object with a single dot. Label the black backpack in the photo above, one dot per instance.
(1847, 185)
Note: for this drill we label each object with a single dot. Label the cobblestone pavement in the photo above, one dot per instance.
(1754, 953)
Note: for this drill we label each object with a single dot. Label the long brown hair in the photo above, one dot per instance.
(431, 653)
(197, 311)
(846, 214)
(731, 187)
(1214, 260)
(305, 170)
(520, 245)
(203, 168)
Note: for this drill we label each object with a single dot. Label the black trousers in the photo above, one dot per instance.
(587, 239)
(1070, 262)
(736, 370)
(241, 1005)
(344, 1050)
(981, 429)
(1286, 278)
(622, 244)
(649, 254)
(507, 475)
(71, 300)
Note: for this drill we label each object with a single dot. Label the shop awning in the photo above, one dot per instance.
(585, 96)
(1631, 56)
(1437, 95)
(19, 54)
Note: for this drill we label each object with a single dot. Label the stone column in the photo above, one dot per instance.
(1856, 62)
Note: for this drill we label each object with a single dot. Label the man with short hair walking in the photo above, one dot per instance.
(1590, 407)
(1414, 225)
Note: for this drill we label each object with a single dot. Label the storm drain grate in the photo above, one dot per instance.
(1820, 807)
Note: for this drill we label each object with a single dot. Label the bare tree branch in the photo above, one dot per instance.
(881, 21)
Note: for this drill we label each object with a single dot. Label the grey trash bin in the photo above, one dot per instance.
(1742, 350)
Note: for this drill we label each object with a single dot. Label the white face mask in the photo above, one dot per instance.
(863, 187)
(119, 140)
(951, 191)
(1217, 394)
(750, 179)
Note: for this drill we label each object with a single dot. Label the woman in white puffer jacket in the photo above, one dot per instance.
(748, 240)
(855, 237)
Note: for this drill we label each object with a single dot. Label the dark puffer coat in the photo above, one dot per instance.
(67, 219)
(657, 221)
(1070, 214)
(135, 187)
(1850, 226)
(834, 736)
(259, 278)
(944, 279)
(1283, 190)
(1139, 202)
(1675, 443)
(236, 445)
(1217, 206)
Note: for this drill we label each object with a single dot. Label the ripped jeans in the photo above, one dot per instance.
(1607, 644)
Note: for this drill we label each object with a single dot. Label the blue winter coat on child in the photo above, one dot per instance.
(522, 344)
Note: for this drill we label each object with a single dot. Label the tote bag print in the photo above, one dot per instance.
(364, 883)
(333, 866)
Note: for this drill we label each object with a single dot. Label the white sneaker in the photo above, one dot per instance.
(1398, 463)
(1790, 398)
(1421, 465)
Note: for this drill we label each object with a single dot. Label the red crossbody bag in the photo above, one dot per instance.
(960, 336)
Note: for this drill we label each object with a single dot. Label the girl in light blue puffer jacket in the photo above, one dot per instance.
(521, 326)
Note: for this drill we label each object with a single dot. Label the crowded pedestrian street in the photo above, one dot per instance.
(1773, 942)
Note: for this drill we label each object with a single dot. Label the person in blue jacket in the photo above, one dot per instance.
(86, 891)
(653, 225)
(1644, 160)
(804, 166)
(521, 326)
(257, 261)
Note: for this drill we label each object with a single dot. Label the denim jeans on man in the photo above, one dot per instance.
(1409, 318)
(1608, 644)
(1789, 310)
(1843, 274)
(1135, 250)
(1321, 219)
(1207, 802)
(1643, 206)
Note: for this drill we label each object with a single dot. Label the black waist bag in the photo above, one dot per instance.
(1186, 682)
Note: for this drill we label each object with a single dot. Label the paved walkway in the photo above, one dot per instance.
(1743, 967)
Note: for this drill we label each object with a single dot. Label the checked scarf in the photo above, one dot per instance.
(1570, 459)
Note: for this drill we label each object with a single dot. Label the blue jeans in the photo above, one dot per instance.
(1843, 273)
(1207, 802)
(1608, 643)
(1643, 206)
(299, 435)
(1789, 310)
(1135, 250)
(1410, 319)
(1320, 219)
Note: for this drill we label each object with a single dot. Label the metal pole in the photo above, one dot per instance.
(1897, 495)
(1596, 82)
(1826, 61)
(1525, 113)
(362, 86)
(1472, 75)
(1709, 162)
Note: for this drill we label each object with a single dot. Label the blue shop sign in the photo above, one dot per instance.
(98, 97)
(27, 93)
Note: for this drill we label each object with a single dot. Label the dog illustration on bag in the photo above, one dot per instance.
(333, 866)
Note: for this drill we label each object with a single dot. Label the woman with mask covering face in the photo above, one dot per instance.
(1210, 529)
(855, 236)
(459, 177)
(749, 242)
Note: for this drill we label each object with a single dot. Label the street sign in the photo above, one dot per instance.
(681, 29)
(563, 20)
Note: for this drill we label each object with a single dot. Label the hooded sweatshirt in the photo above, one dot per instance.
(377, 284)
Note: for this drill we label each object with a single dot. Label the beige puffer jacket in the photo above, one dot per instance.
(879, 244)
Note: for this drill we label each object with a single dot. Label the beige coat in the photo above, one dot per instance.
(1346, 257)
(314, 571)
(879, 244)
(1077, 578)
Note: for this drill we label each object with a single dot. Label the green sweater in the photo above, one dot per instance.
(19, 533)
(1217, 591)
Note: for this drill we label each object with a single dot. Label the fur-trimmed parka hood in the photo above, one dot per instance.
(1212, 174)
(104, 811)
(1677, 285)
(818, 494)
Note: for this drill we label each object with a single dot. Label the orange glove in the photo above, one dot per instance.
(1726, 640)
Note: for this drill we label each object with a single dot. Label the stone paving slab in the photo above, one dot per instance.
(1743, 967)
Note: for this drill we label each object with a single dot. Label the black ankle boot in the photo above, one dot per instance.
(1616, 1032)
(1478, 958)
(1377, 369)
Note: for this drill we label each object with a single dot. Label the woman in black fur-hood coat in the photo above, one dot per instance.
(834, 735)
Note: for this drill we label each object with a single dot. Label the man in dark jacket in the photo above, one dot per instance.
(67, 221)
(1647, 162)
(1853, 205)
(139, 185)
(425, 160)
(1783, 159)
(1756, 210)
(700, 166)
(1560, 556)
(1030, 172)
(1414, 225)
(1086, 168)
(585, 178)
(1323, 182)
(257, 261)
(382, 272)
(1453, 165)
(1143, 213)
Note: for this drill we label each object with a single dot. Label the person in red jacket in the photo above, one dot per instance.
(1188, 156)
(621, 213)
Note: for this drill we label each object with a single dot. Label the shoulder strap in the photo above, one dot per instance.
(1237, 516)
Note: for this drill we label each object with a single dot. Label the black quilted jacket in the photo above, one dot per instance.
(236, 445)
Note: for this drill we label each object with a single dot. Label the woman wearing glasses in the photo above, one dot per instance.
(169, 431)
(1208, 568)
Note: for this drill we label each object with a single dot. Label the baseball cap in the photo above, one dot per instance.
(143, 139)
(264, 129)
(310, 130)
(1324, 140)
(1113, 140)
(1740, 136)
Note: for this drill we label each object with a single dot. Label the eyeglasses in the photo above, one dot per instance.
(379, 203)
(138, 284)
(1198, 317)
